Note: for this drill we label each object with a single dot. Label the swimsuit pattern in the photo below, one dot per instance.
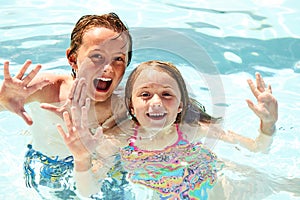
(183, 170)
(115, 186)
(51, 178)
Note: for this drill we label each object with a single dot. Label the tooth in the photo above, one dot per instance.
(105, 79)
(156, 114)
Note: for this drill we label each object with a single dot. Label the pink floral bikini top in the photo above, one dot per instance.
(183, 170)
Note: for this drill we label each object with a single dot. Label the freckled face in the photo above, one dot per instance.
(156, 99)
(101, 60)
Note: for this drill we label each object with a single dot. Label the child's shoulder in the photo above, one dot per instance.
(193, 132)
(53, 78)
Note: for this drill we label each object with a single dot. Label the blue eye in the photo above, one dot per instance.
(97, 58)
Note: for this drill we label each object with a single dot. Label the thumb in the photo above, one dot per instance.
(26, 117)
(99, 132)
(48, 106)
(252, 106)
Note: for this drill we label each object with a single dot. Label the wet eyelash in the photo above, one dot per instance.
(168, 94)
(119, 59)
(145, 94)
(97, 56)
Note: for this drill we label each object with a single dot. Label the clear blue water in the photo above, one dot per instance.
(209, 40)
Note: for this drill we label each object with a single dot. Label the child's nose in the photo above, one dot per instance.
(108, 68)
(156, 101)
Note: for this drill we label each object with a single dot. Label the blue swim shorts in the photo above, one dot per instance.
(51, 178)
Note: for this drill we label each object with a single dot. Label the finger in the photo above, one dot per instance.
(270, 88)
(99, 132)
(253, 89)
(83, 94)
(75, 117)
(79, 92)
(98, 136)
(64, 106)
(61, 131)
(84, 117)
(68, 121)
(48, 106)
(250, 103)
(31, 74)
(26, 117)
(6, 70)
(110, 122)
(87, 103)
(252, 106)
(260, 82)
(71, 94)
(23, 69)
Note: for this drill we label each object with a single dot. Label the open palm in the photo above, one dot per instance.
(15, 91)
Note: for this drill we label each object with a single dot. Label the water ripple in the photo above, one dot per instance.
(250, 14)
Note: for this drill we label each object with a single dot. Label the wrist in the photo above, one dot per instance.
(82, 164)
(267, 128)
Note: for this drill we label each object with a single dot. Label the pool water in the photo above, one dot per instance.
(217, 46)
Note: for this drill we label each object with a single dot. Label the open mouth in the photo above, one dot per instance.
(156, 116)
(102, 84)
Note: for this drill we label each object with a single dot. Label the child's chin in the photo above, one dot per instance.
(158, 126)
(100, 97)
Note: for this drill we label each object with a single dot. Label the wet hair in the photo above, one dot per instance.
(110, 21)
(192, 111)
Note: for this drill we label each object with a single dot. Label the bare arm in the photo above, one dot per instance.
(215, 132)
(260, 144)
(267, 111)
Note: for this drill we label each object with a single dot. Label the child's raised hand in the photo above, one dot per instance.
(15, 90)
(80, 141)
(78, 138)
(266, 108)
(83, 143)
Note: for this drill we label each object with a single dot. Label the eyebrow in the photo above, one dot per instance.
(120, 52)
(146, 87)
(119, 35)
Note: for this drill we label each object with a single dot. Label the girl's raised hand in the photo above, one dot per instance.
(266, 108)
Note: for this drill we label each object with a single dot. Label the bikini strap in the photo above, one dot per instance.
(180, 135)
(178, 132)
(133, 138)
(135, 133)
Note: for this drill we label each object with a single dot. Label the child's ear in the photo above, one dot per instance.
(132, 111)
(180, 107)
(71, 59)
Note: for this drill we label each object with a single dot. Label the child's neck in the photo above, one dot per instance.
(156, 139)
(151, 133)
